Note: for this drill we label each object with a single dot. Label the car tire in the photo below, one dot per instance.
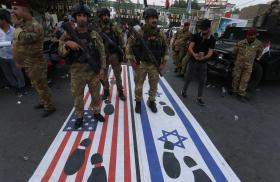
(256, 76)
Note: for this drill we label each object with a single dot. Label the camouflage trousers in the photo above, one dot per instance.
(185, 62)
(37, 74)
(142, 71)
(178, 57)
(82, 75)
(241, 75)
(113, 60)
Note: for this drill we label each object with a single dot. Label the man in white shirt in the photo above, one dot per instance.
(13, 74)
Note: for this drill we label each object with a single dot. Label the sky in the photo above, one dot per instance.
(239, 3)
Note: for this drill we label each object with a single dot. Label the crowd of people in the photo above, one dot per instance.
(90, 50)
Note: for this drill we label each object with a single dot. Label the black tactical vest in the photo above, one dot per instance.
(78, 56)
(154, 43)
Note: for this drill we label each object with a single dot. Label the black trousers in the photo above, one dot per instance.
(201, 70)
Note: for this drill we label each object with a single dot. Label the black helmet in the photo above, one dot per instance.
(102, 12)
(80, 8)
(150, 12)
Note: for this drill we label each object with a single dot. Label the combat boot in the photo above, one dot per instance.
(39, 106)
(152, 105)
(106, 94)
(78, 123)
(47, 113)
(121, 95)
(98, 117)
(138, 107)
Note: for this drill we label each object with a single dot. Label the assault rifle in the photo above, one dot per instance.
(86, 56)
(151, 56)
(109, 41)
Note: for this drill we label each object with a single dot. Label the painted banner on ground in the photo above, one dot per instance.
(167, 146)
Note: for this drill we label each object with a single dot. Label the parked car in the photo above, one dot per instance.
(267, 67)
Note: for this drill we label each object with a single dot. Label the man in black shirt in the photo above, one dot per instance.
(200, 50)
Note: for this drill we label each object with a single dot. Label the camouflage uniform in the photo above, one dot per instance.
(82, 74)
(181, 42)
(112, 58)
(246, 55)
(28, 52)
(146, 67)
(185, 62)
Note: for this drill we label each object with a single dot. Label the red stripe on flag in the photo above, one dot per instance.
(127, 167)
(59, 151)
(113, 157)
(81, 172)
(56, 157)
(76, 144)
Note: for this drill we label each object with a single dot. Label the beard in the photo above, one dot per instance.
(82, 24)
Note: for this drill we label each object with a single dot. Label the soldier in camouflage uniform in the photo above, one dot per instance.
(180, 46)
(247, 51)
(138, 57)
(81, 72)
(114, 32)
(28, 52)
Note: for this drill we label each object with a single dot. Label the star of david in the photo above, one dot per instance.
(180, 141)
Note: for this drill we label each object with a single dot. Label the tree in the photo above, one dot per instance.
(195, 5)
(183, 4)
(235, 11)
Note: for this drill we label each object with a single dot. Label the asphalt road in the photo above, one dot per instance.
(245, 134)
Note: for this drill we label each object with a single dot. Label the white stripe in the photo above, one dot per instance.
(62, 160)
(131, 143)
(72, 177)
(120, 142)
(225, 168)
(96, 140)
(109, 133)
(47, 159)
(143, 160)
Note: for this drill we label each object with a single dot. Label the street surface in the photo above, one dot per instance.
(245, 134)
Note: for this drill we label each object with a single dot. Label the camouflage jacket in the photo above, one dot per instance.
(117, 32)
(132, 41)
(247, 53)
(63, 51)
(181, 40)
(27, 44)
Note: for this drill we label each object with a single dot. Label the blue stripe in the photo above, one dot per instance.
(213, 167)
(155, 170)
(154, 166)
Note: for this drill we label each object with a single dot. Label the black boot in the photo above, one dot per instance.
(152, 105)
(39, 106)
(78, 123)
(121, 95)
(99, 117)
(138, 107)
(47, 113)
(105, 95)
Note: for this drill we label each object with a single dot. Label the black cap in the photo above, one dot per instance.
(150, 12)
(205, 24)
(102, 12)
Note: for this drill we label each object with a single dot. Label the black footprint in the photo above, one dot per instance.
(168, 110)
(109, 108)
(98, 174)
(77, 158)
(170, 162)
(199, 174)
